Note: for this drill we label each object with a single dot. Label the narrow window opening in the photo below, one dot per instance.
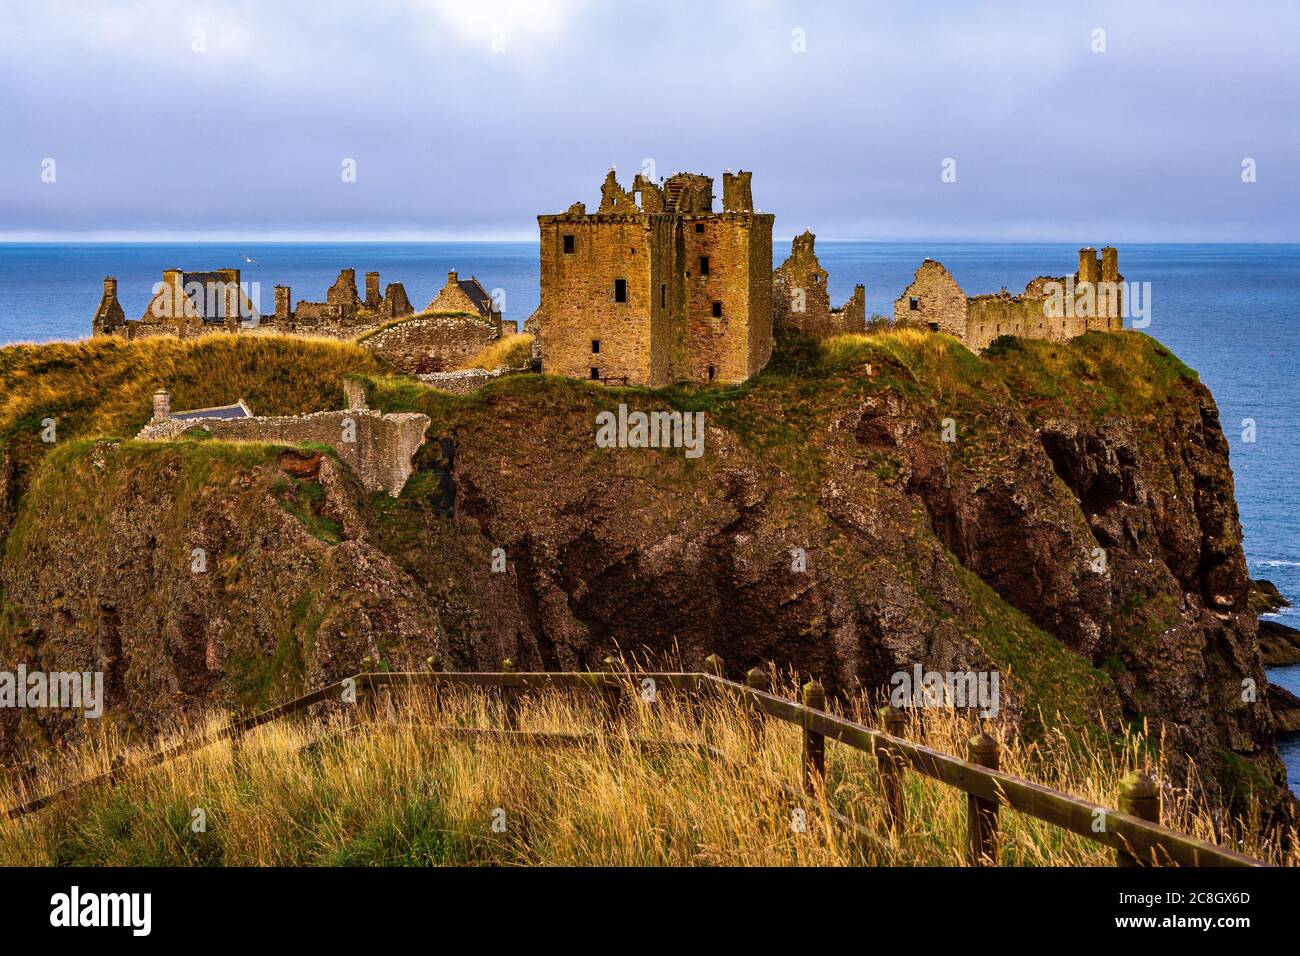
(568, 243)
(620, 290)
(699, 227)
(595, 346)
(663, 296)
(717, 310)
(711, 373)
(704, 265)
(595, 374)
(915, 303)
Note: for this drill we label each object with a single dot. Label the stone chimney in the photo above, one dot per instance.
(110, 287)
(1089, 265)
(162, 405)
(372, 290)
(283, 304)
(452, 278)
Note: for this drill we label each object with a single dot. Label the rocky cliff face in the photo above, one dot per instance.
(1061, 513)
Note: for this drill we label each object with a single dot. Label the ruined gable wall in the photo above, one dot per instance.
(578, 296)
(452, 298)
(394, 304)
(801, 303)
(942, 304)
(109, 317)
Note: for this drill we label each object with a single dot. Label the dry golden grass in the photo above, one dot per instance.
(513, 351)
(401, 791)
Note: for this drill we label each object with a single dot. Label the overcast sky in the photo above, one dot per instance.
(466, 120)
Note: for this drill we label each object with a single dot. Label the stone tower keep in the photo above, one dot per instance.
(655, 286)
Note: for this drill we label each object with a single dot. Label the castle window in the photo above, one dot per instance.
(914, 303)
(704, 265)
(717, 310)
(699, 227)
(663, 295)
(620, 290)
(712, 372)
(934, 326)
(568, 243)
(595, 346)
(595, 374)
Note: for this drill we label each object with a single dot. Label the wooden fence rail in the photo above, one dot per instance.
(1134, 831)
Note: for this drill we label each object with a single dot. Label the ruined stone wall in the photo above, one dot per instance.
(323, 313)
(940, 302)
(344, 290)
(379, 452)
(463, 381)
(801, 303)
(109, 317)
(578, 296)
(394, 303)
(852, 315)
(431, 342)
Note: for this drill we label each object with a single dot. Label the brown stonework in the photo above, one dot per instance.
(801, 302)
(377, 447)
(186, 304)
(465, 295)
(394, 304)
(431, 342)
(109, 317)
(659, 291)
(934, 299)
(189, 304)
(344, 290)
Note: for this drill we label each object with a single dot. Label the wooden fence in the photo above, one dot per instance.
(1134, 830)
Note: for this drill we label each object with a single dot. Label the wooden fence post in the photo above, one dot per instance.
(369, 698)
(509, 697)
(1139, 797)
(982, 815)
(434, 663)
(814, 744)
(611, 691)
(757, 679)
(891, 767)
(235, 734)
(714, 667)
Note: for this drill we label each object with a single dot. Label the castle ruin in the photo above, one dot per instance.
(184, 305)
(1051, 308)
(655, 286)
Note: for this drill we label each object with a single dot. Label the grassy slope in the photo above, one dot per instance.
(401, 794)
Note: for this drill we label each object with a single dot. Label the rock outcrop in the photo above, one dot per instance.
(1062, 513)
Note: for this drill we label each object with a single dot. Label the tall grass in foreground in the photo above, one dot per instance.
(398, 790)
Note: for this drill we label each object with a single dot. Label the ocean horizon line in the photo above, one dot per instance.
(533, 240)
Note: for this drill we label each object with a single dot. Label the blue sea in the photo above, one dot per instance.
(1232, 312)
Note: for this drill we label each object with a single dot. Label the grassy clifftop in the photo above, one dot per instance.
(1016, 511)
